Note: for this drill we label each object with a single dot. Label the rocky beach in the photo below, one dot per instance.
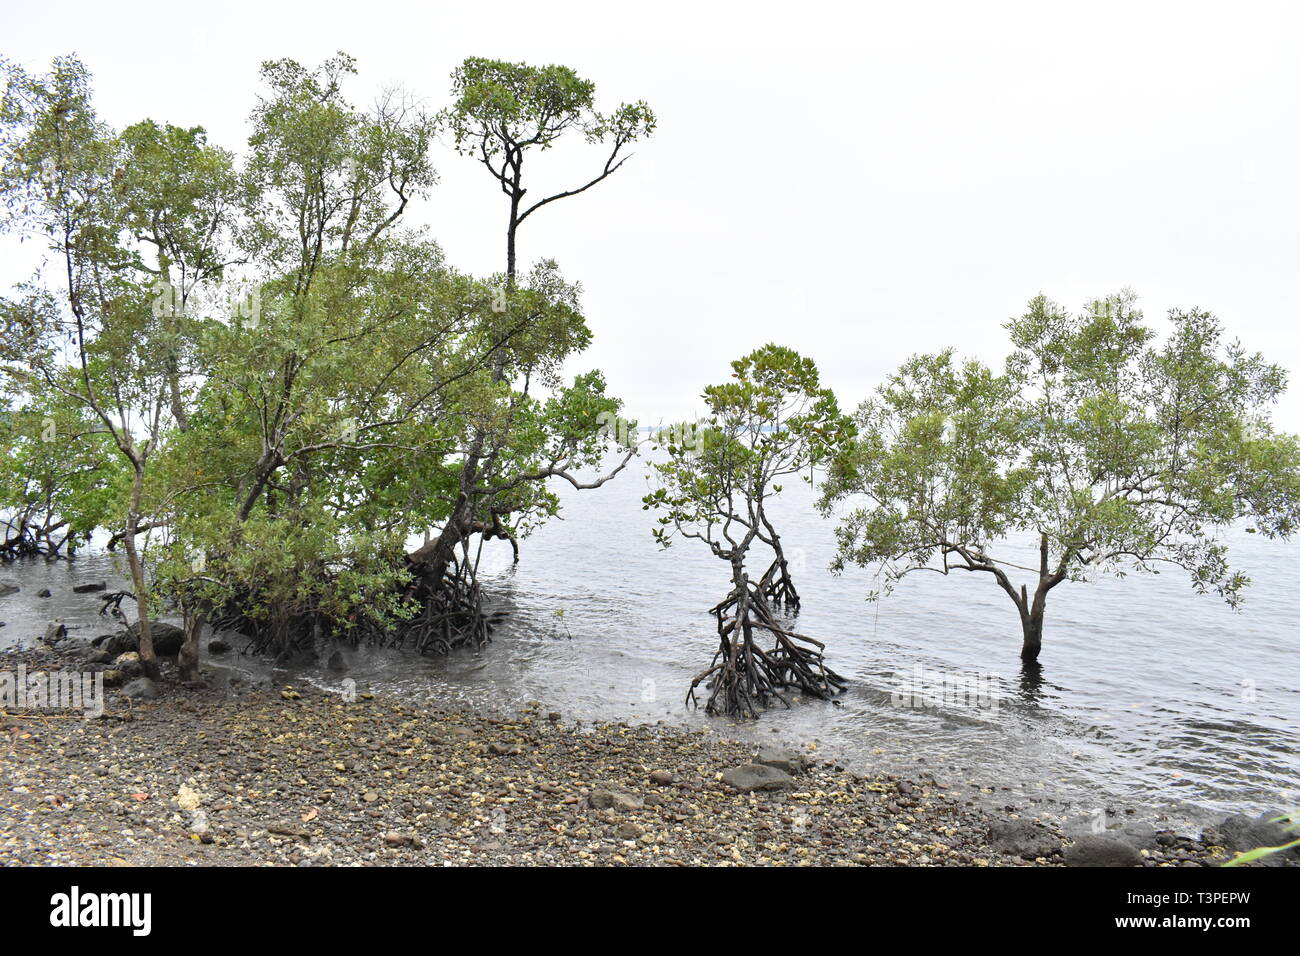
(290, 775)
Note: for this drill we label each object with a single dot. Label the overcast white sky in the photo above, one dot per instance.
(859, 182)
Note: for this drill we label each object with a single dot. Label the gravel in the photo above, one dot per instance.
(289, 775)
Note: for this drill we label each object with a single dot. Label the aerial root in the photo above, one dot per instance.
(744, 677)
(449, 616)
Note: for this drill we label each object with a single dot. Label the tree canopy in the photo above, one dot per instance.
(773, 421)
(1115, 449)
(262, 378)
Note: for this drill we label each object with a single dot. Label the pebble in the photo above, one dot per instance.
(266, 769)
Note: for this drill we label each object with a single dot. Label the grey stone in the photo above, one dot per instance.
(1098, 849)
(750, 777)
(142, 688)
(1140, 836)
(129, 664)
(287, 828)
(607, 797)
(110, 644)
(783, 759)
(1021, 838)
(1240, 833)
(89, 588)
(167, 638)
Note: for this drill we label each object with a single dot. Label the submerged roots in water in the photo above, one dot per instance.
(746, 676)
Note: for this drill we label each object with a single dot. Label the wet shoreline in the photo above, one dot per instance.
(292, 775)
(1165, 739)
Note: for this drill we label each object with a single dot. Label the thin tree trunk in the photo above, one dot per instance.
(436, 555)
(188, 659)
(148, 660)
(511, 230)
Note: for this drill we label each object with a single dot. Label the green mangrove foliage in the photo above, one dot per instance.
(504, 114)
(771, 423)
(259, 378)
(1116, 451)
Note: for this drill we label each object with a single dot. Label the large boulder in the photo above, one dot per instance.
(756, 776)
(110, 644)
(167, 638)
